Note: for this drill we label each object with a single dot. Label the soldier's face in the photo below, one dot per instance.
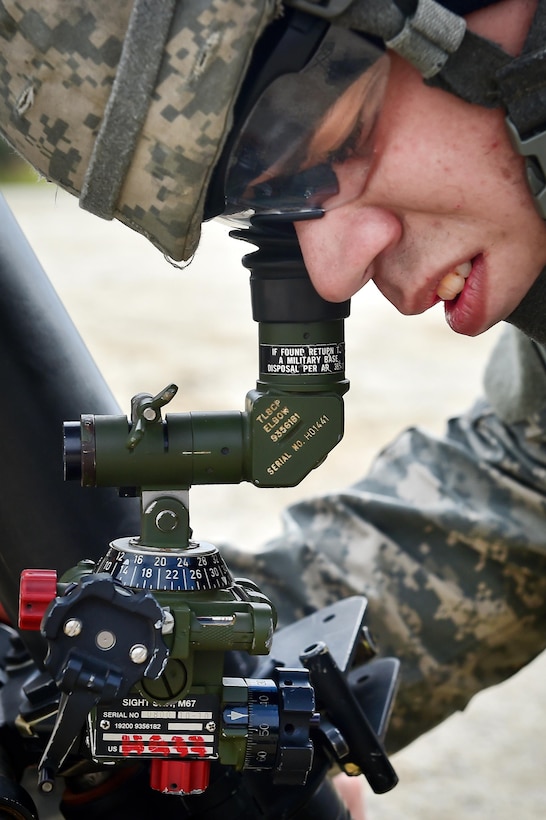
(445, 206)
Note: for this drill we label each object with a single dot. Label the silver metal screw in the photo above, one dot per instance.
(149, 414)
(72, 627)
(138, 653)
(168, 622)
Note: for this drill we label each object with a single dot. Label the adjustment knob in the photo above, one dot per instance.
(37, 588)
(179, 776)
(105, 625)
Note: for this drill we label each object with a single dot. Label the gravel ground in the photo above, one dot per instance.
(148, 323)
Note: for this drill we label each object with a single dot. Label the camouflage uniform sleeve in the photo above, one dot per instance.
(445, 537)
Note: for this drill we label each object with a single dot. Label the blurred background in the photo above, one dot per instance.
(148, 323)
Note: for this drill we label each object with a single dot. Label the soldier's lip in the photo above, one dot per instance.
(465, 314)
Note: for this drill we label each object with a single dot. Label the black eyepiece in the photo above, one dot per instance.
(72, 451)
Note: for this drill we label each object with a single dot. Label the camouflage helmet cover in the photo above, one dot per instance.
(127, 104)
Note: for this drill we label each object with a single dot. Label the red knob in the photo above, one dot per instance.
(37, 588)
(174, 776)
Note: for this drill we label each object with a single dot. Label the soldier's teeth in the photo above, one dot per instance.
(453, 282)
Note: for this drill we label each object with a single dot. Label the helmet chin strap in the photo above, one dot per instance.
(529, 314)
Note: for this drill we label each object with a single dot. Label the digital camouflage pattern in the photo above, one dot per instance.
(59, 60)
(446, 538)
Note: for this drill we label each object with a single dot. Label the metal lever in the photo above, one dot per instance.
(145, 409)
(367, 754)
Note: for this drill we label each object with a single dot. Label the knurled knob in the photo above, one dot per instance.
(179, 776)
(37, 588)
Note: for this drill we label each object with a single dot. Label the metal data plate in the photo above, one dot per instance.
(136, 727)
